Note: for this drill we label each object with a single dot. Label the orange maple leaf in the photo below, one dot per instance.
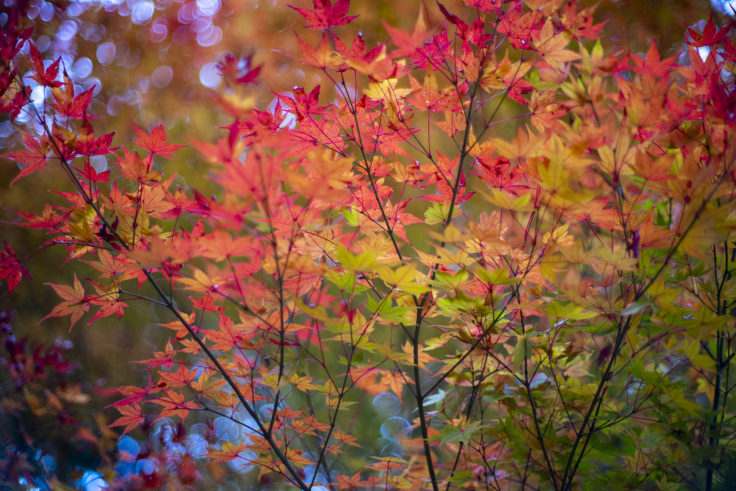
(134, 168)
(323, 57)
(174, 405)
(75, 303)
(552, 46)
(134, 394)
(132, 416)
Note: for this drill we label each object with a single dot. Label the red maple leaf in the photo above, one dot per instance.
(69, 105)
(484, 5)
(88, 144)
(13, 38)
(134, 168)
(44, 76)
(91, 174)
(155, 142)
(107, 308)
(710, 36)
(239, 70)
(11, 268)
(653, 65)
(134, 394)
(303, 104)
(12, 104)
(325, 14)
(47, 219)
(451, 18)
(407, 43)
(34, 158)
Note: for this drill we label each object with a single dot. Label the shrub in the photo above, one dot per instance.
(495, 256)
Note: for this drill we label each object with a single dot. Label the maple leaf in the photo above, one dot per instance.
(108, 301)
(228, 452)
(580, 23)
(325, 14)
(496, 171)
(517, 27)
(34, 157)
(15, 104)
(174, 405)
(181, 377)
(90, 174)
(552, 46)
(394, 381)
(47, 219)
(427, 96)
(324, 57)
(155, 141)
(75, 303)
(499, 75)
(652, 65)
(409, 43)
(205, 302)
(357, 52)
(297, 457)
(87, 144)
(161, 358)
(205, 385)
(180, 203)
(374, 63)
(66, 140)
(387, 463)
(220, 246)
(546, 113)
(484, 5)
(13, 38)
(181, 330)
(239, 70)
(308, 425)
(451, 18)
(354, 481)
(134, 394)
(67, 104)
(203, 282)
(328, 176)
(109, 308)
(11, 268)
(386, 91)
(134, 168)
(453, 123)
(131, 418)
(710, 36)
(44, 76)
(345, 438)
(152, 254)
(303, 104)
(228, 335)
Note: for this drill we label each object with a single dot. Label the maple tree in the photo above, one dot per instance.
(519, 248)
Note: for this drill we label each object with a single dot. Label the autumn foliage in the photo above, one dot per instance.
(488, 253)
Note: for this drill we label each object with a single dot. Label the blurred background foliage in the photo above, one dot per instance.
(152, 62)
